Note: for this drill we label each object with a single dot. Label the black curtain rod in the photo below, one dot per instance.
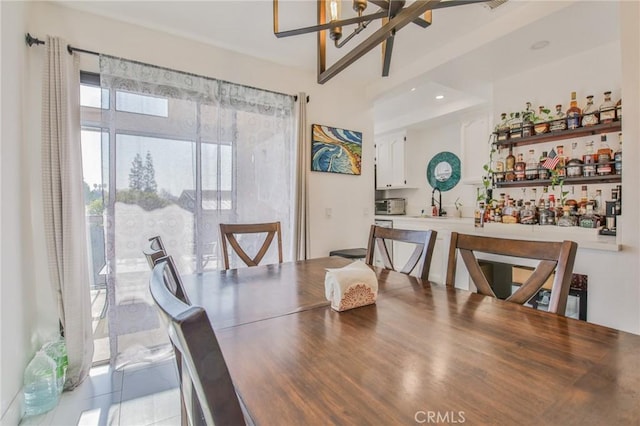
(33, 40)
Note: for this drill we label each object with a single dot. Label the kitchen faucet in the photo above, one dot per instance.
(436, 211)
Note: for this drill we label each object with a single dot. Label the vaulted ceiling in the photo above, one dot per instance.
(460, 55)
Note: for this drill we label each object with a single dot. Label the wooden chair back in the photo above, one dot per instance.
(215, 401)
(553, 256)
(154, 250)
(228, 234)
(424, 242)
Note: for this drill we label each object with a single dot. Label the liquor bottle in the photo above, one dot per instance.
(584, 200)
(619, 109)
(566, 219)
(520, 167)
(607, 109)
(498, 168)
(598, 204)
(515, 127)
(617, 157)
(547, 217)
(590, 114)
(543, 196)
(614, 197)
(552, 208)
(527, 121)
(510, 213)
(589, 219)
(574, 165)
(562, 161)
(543, 172)
(533, 204)
(590, 158)
(500, 209)
(572, 203)
(604, 157)
(573, 113)
(478, 215)
(488, 213)
(528, 214)
(502, 129)
(542, 124)
(559, 120)
(509, 166)
(619, 200)
(531, 171)
(555, 208)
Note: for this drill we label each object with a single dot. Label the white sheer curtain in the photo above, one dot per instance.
(63, 199)
(185, 153)
(301, 247)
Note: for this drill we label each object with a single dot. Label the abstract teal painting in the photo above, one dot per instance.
(335, 150)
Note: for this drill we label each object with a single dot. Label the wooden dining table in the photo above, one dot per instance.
(423, 354)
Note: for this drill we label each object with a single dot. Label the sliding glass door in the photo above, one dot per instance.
(162, 162)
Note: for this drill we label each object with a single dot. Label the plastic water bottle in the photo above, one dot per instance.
(57, 350)
(40, 385)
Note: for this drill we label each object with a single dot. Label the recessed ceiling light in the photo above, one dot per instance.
(541, 44)
(438, 97)
(413, 89)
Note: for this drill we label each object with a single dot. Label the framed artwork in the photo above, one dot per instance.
(335, 150)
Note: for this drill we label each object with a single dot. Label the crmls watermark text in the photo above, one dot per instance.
(450, 417)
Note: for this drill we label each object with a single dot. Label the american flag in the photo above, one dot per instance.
(552, 160)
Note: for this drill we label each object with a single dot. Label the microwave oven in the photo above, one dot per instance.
(390, 206)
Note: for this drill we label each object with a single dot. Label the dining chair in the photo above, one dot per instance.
(553, 256)
(204, 371)
(424, 242)
(154, 250)
(228, 234)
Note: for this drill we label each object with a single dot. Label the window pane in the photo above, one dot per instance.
(94, 153)
(94, 96)
(141, 104)
(209, 176)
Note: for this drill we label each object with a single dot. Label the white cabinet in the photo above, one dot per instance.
(474, 149)
(390, 161)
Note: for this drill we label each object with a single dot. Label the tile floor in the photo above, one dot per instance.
(136, 396)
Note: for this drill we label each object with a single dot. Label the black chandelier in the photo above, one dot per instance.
(393, 13)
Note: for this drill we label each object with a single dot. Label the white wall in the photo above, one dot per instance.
(629, 285)
(27, 310)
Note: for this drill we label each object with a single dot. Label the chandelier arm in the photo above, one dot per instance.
(383, 4)
(452, 3)
(395, 6)
(404, 17)
(421, 23)
(387, 50)
(353, 34)
(326, 26)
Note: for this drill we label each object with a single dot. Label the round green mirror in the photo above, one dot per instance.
(443, 171)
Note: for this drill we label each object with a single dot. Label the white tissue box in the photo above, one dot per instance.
(350, 287)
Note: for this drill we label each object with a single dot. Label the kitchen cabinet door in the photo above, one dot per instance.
(390, 162)
(475, 149)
